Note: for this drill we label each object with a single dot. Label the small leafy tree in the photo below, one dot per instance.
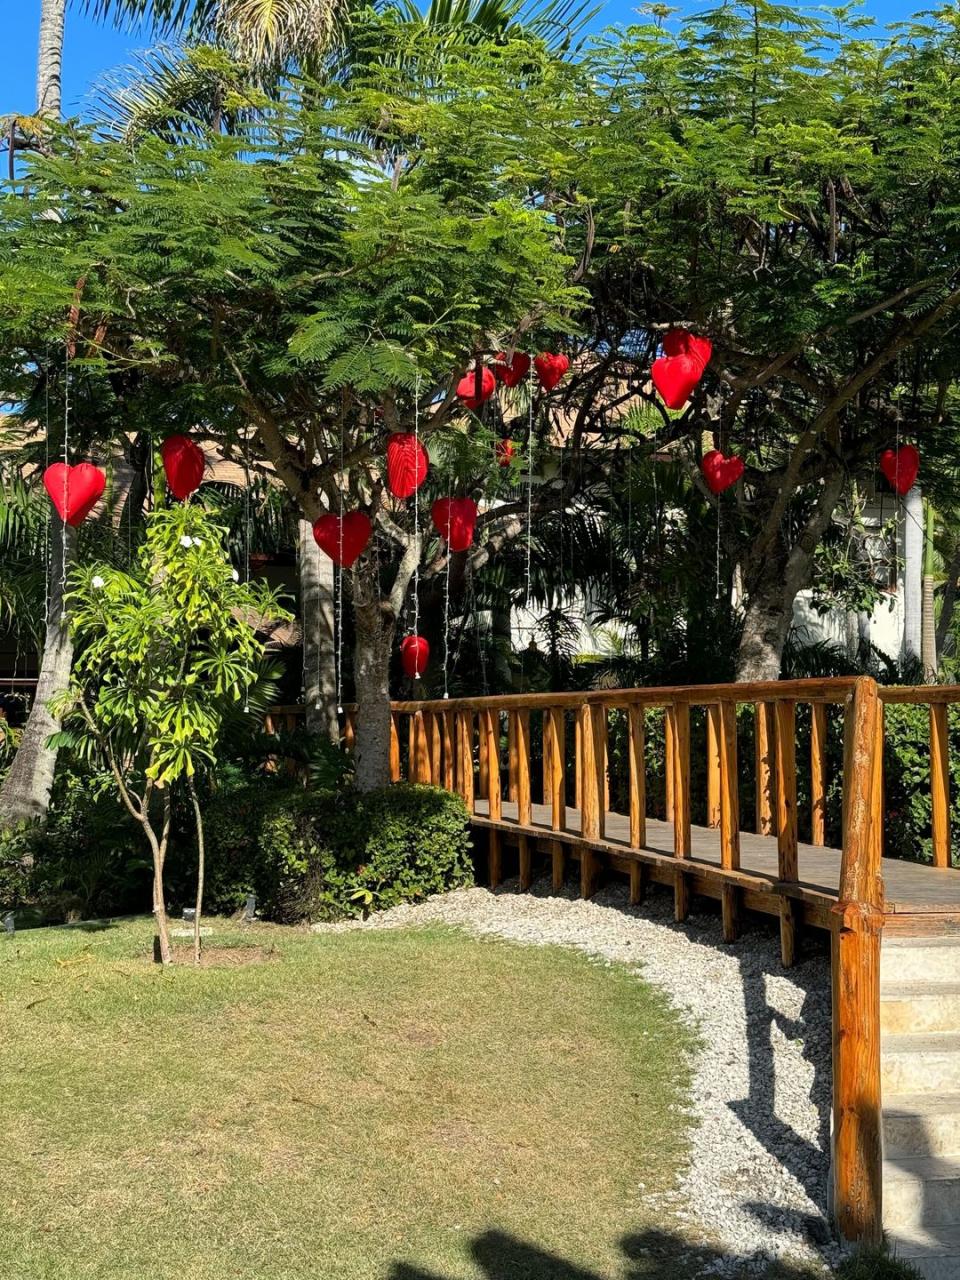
(165, 652)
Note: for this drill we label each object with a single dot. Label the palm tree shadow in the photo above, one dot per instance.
(648, 1255)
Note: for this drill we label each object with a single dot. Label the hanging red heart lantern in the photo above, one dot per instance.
(675, 378)
(504, 452)
(414, 656)
(455, 520)
(407, 464)
(720, 472)
(344, 541)
(467, 387)
(550, 368)
(900, 466)
(183, 465)
(681, 342)
(514, 372)
(74, 491)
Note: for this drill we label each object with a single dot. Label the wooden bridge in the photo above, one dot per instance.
(576, 780)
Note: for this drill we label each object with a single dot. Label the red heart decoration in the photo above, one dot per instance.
(720, 472)
(343, 541)
(407, 464)
(503, 451)
(414, 656)
(681, 342)
(550, 368)
(183, 464)
(467, 388)
(675, 378)
(74, 491)
(514, 372)
(900, 466)
(455, 520)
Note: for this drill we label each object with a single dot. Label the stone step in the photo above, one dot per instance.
(926, 1062)
(920, 1191)
(921, 1124)
(920, 959)
(920, 1006)
(933, 1251)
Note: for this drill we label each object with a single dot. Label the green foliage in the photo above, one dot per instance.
(328, 855)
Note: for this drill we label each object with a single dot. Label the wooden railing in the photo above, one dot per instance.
(557, 750)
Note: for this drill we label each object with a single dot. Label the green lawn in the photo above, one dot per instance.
(354, 1105)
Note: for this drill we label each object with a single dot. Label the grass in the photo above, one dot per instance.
(389, 1104)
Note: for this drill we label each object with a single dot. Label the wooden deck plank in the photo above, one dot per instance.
(911, 887)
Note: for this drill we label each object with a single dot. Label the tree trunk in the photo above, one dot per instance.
(376, 627)
(912, 574)
(25, 793)
(319, 635)
(50, 58)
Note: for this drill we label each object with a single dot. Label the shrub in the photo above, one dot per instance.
(326, 855)
(875, 1264)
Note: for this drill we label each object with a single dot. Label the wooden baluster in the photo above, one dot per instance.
(940, 783)
(490, 729)
(855, 946)
(765, 767)
(638, 798)
(669, 760)
(411, 748)
(512, 756)
(879, 809)
(682, 845)
(521, 744)
(420, 764)
(350, 730)
(603, 756)
(729, 787)
(394, 748)
(589, 741)
(554, 785)
(484, 778)
(449, 750)
(465, 757)
(787, 864)
(713, 765)
(270, 764)
(436, 748)
(577, 764)
(818, 773)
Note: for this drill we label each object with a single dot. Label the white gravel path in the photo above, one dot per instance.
(759, 1162)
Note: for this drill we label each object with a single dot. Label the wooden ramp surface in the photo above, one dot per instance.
(911, 887)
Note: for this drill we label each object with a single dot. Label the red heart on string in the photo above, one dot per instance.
(455, 520)
(720, 472)
(681, 342)
(900, 466)
(514, 372)
(183, 464)
(467, 388)
(503, 452)
(675, 378)
(550, 368)
(407, 464)
(343, 541)
(74, 491)
(414, 656)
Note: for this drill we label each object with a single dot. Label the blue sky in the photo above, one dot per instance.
(92, 48)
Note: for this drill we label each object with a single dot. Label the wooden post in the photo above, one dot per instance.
(638, 778)
(435, 743)
(420, 760)
(669, 751)
(787, 861)
(588, 773)
(713, 765)
(765, 773)
(412, 749)
(554, 755)
(521, 754)
(940, 784)
(349, 730)
(449, 750)
(729, 798)
(465, 757)
(394, 749)
(490, 730)
(483, 787)
(682, 846)
(855, 947)
(818, 771)
(512, 756)
(577, 765)
(598, 715)
(638, 883)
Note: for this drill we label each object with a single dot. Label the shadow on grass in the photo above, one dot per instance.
(649, 1255)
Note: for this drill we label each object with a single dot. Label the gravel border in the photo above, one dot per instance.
(756, 1185)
